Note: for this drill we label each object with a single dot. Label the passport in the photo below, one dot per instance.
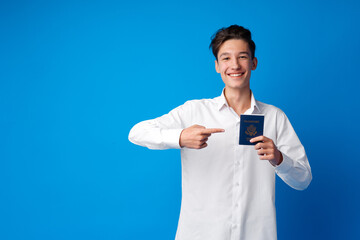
(250, 126)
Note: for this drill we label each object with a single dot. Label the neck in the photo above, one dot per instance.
(238, 99)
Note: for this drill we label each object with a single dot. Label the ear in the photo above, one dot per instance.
(217, 66)
(255, 62)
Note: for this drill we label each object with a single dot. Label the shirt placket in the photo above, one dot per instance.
(237, 184)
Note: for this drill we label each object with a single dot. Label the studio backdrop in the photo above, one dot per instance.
(75, 76)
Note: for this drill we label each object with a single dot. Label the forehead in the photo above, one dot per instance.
(234, 46)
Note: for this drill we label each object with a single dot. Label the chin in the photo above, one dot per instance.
(239, 86)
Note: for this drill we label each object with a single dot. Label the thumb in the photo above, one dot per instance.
(197, 126)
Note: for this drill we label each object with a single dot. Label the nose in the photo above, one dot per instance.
(235, 64)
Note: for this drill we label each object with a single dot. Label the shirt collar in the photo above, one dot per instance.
(223, 103)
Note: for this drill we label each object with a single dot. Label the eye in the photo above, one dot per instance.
(225, 58)
(243, 57)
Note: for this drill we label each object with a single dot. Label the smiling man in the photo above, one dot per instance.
(228, 190)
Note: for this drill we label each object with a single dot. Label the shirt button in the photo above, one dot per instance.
(234, 226)
(236, 205)
(237, 184)
(237, 163)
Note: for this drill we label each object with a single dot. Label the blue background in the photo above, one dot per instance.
(75, 76)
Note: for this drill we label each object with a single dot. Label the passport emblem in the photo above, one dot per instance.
(251, 130)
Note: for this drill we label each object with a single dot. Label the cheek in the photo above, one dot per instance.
(223, 68)
(250, 65)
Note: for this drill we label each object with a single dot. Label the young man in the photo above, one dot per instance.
(228, 190)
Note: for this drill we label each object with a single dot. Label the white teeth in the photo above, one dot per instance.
(236, 75)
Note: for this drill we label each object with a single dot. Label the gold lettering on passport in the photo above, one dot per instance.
(251, 121)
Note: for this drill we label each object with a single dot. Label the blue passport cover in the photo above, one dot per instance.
(250, 126)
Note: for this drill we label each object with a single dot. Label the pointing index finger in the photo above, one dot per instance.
(212, 130)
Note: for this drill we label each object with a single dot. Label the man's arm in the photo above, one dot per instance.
(169, 131)
(162, 132)
(287, 156)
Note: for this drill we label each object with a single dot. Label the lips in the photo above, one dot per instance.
(235, 74)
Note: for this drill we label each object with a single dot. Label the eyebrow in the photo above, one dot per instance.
(226, 53)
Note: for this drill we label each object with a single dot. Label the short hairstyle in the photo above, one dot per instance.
(232, 32)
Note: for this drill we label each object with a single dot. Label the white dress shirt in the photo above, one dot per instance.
(228, 193)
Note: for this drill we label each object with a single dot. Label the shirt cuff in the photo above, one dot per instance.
(285, 165)
(171, 138)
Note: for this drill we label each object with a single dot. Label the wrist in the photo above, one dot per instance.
(180, 140)
(276, 162)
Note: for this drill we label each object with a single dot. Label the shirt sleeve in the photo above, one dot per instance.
(162, 132)
(294, 169)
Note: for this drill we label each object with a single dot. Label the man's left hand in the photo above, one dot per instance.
(267, 150)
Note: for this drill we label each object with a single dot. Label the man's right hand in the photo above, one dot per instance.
(196, 136)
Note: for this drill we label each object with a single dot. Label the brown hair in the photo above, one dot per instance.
(232, 32)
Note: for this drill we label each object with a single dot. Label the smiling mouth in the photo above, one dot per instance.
(235, 74)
